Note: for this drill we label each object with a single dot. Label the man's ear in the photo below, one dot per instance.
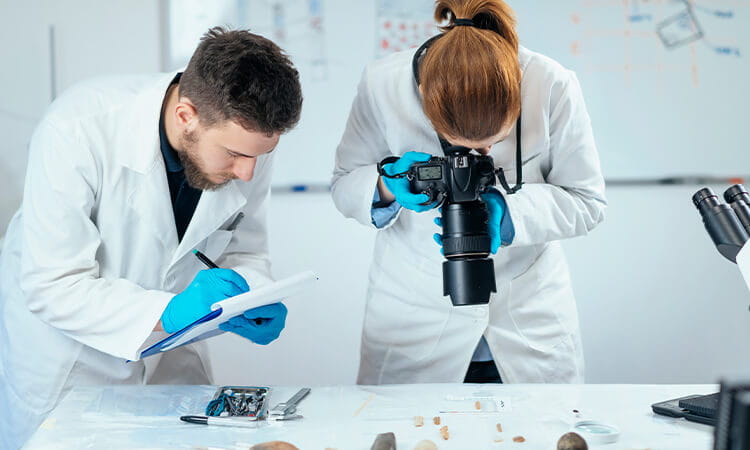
(186, 116)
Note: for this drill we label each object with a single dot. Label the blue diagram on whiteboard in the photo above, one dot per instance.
(680, 29)
(684, 26)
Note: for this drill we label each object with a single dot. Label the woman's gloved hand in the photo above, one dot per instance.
(496, 209)
(261, 325)
(208, 287)
(399, 187)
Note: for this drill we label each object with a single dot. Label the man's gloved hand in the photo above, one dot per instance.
(399, 187)
(261, 325)
(208, 287)
(496, 209)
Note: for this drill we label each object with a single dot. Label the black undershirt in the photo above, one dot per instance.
(184, 197)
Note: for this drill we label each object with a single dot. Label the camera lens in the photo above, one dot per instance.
(465, 230)
(469, 281)
(468, 275)
(457, 182)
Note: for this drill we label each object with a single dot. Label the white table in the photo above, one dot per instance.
(349, 417)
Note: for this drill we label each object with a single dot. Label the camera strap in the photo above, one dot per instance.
(519, 165)
(386, 161)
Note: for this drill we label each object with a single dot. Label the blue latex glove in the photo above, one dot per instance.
(261, 325)
(208, 287)
(496, 209)
(399, 187)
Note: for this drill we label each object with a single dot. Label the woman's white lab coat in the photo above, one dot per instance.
(412, 333)
(92, 258)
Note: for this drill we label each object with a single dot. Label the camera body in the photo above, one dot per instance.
(457, 178)
(456, 182)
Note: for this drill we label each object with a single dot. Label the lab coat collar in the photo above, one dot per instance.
(214, 208)
(138, 150)
(151, 201)
(143, 122)
(151, 198)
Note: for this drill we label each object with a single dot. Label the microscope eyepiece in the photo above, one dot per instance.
(705, 198)
(738, 198)
(725, 223)
(737, 193)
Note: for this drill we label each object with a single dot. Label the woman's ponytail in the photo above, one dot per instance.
(470, 78)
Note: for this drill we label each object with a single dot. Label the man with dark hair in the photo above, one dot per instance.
(126, 176)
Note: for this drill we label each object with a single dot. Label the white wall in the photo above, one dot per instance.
(320, 345)
(648, 101)
(657, 302)
(91, 38)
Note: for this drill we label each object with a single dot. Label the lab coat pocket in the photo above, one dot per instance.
(216, 243)
(406, 312)
(541, 304)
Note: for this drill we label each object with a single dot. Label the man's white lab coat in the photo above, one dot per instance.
(92, 258)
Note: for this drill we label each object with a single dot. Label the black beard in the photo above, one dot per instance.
(194, 176)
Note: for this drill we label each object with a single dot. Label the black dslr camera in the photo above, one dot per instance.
(456, 182)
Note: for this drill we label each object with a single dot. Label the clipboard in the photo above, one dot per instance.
(208, 325)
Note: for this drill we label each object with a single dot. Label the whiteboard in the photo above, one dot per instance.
(659, 108)
(666, 82)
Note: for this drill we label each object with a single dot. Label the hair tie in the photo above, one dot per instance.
(463, 23)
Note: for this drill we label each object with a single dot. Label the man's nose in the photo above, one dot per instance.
(244, 169)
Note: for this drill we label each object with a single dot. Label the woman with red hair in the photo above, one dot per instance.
(471, 86)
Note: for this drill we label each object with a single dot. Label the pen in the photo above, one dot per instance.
(221, 421)
(204, 259)
(211, 265)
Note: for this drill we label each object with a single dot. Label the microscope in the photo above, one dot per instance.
(728, 224)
